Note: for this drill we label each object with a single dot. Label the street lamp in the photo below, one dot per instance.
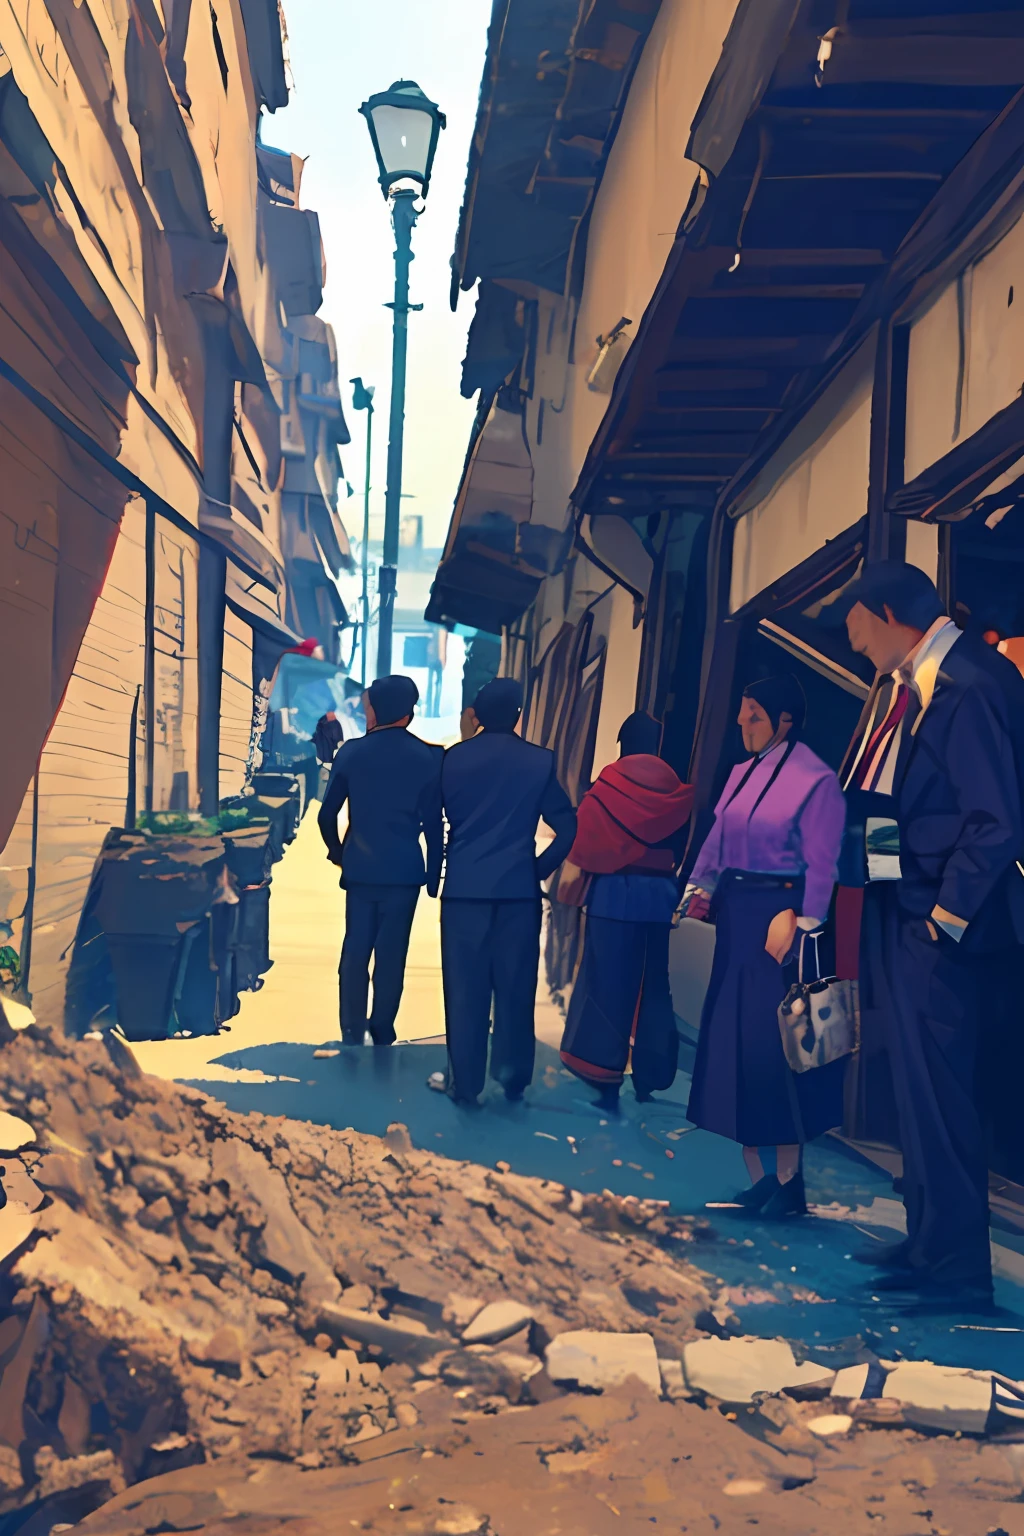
(362, 400)
(404, 127)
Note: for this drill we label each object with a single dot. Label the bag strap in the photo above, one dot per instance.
(817, 958)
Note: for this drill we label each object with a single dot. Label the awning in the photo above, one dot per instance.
(482, 579)
(759, 32)
(555, 77)
(262, 22)
(246, 603)
(482, 588)
(294, 254)
(952, 483)
(498, 482)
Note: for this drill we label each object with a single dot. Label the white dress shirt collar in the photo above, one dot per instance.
(920, 670)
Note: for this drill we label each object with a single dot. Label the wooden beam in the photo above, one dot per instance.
(783, 351)
(886, 540)
(840, 256)
(710, 379)
(741, 290)
(875, 114)
(837, 175)
(925, 59)
(665, 456)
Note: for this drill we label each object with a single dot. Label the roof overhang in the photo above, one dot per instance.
(840, 178)
(556, 75)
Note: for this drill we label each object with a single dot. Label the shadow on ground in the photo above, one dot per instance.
(798, 1280)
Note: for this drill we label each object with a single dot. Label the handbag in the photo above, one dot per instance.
(819, 1018)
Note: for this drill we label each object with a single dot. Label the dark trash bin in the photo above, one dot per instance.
(149, 909)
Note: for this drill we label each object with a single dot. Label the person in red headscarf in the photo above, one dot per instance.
(622, 868)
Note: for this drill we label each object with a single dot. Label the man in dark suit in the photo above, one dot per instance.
(392, 782)
(935, 767)
(496, 789)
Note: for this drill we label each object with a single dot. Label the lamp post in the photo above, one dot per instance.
(404, 127)
(362, 400)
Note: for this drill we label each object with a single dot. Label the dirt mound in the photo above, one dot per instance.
(180, 1284)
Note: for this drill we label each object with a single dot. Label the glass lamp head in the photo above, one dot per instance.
(404, 127)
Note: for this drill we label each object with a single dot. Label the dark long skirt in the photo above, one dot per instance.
(622, 993)
(742, 1086)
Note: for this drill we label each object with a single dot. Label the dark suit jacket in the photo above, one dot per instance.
(957, 797)
(496, 788)
(392, 782)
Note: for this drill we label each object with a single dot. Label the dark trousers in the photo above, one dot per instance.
(490, 951)
(930, 992)
(378, 921)
(620, 998)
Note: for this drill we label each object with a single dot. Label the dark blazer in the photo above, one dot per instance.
(392, 782)
(958, 796)
(496, 788)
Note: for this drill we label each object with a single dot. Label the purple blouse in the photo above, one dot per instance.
(796, 830)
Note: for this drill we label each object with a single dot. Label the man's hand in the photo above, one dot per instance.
(334, 857)
(781, 935)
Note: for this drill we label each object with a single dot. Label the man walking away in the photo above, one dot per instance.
(392, 783)
(496, 789)
(934, 809)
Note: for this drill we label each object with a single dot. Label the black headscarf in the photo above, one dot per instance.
(778, 696)
(640, 734)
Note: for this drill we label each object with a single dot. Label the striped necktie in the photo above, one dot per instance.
(870, 766)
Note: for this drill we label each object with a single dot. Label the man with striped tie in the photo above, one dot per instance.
(930, 876)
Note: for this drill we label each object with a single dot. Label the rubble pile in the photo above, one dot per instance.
(180, 1284)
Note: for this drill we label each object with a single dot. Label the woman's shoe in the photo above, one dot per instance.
(757, 1196)
(788, 1200)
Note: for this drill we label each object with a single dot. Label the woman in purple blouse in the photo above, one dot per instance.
(765, 872)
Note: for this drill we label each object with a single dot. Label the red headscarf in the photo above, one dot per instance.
(637, 802)
(305, 649)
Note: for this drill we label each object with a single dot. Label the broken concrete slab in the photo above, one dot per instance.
(851, 1381)
(945, 1397)
(828, 1425)
(602, 1360)
(405, 1340)
(285, 1244)
(499, 1320)
(739, 1370)
(15, 1133)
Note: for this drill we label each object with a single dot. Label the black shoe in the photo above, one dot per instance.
(383, 1037)
(920, 1279)
(788, 1200)
(348, 1038)
(758, 1195)
(608, 1100)
(919, 1293)
(514, 1095)
(883, 1256)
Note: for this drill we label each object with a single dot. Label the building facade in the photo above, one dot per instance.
(785, 344)
(148, 331)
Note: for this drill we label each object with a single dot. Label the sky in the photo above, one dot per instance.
(342, 51)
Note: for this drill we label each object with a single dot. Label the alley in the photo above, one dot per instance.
(626, 396)
(800, 1283)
